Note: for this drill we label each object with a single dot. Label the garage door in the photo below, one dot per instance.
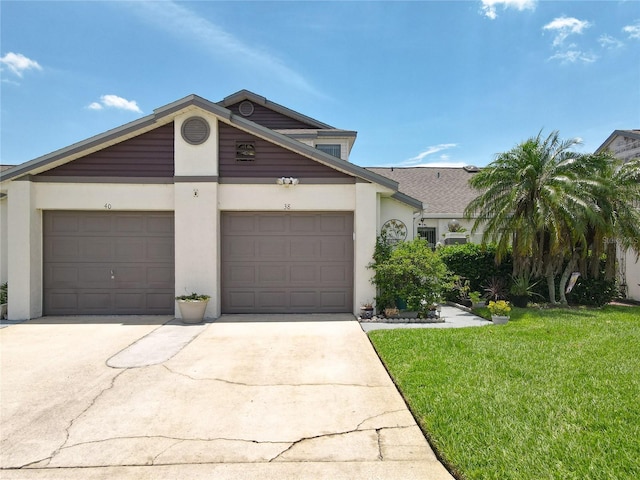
(287, 262)
(108, 263)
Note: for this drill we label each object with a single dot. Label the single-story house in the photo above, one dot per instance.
(244, 199)
(625, 144)
(444, 192)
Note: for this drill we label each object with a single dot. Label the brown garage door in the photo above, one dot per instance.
(108, 263)
(287, 262)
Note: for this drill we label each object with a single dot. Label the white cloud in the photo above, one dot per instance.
(573, 56)
(180, 21)
(565, 26)
(414, 161)
(632, 30)
(609, 42)
(18, 63)
(489, 6)
(114, 101)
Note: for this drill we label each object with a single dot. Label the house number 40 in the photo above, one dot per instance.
(107, 206)
(287, 206)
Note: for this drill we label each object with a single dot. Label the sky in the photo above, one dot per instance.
(424, 83)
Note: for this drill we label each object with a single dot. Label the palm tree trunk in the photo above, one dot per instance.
(551, 283)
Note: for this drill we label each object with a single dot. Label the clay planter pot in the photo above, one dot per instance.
(192, 311)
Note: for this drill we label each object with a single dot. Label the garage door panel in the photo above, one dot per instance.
(108, 263)
(304, 273)
(304, 299)
(238, 224)
(271, 299)
(334, 299)
(304, 248)
(67, 248)
(292, 262)
(158, 249)
(271, 224)
(96, 250)
(131, 224)
(160, 225)
(241, 299)
(239, 248)
(62, 277)
(333, 224)
(66, 224)
(272, 248)
(303, 224)
(240, 275)
(95, 223)
(336, 275)
(160, 277)
(334, 248)
(273, 274)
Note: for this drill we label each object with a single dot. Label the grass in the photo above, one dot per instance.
(554, 394)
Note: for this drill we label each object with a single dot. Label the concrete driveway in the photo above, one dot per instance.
(243, 397)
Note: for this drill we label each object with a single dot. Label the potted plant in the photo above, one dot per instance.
(192, 307)
(366, 310)
(499, 311)
(476, 300)
(521, 290)
(456, 234)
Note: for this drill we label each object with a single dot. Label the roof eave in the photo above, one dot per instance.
(610, 138)
(260, 100)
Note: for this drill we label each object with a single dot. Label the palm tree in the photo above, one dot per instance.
(538, 198)
(618, 225)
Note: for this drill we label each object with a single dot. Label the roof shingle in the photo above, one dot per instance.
(441, 190)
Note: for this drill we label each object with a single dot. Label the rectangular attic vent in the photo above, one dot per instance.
(245, 151)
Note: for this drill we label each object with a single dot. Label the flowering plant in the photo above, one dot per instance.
(194, 297)
(500, 307)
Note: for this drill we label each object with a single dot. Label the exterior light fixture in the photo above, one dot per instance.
(287, 181)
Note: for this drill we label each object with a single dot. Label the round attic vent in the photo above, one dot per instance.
(246, 108)
(195, 130)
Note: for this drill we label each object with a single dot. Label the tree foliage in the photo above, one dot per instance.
(552, 206)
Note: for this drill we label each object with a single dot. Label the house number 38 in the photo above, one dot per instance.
(287, 206)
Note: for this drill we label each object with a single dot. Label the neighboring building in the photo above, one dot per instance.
(444, 193)
(244, 199)
(625, 144)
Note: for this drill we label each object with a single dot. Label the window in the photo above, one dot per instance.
(245, 151)
(429, 234)
(331, 149)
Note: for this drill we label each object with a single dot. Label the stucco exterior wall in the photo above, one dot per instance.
(392, 209)
(4, 238)
(196, 160)
(25, 260)
(632, 275)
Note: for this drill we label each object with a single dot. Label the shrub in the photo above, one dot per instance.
(595, 292)
(410, 272)
(4, 288)
(475, 263)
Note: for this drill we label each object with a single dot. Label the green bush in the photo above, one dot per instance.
(475, 263)
(3, 292)
(595, 292)
(410, 272)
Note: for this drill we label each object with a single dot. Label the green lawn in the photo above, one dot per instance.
(553, 394)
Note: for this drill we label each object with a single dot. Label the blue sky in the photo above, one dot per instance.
(423, 83)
